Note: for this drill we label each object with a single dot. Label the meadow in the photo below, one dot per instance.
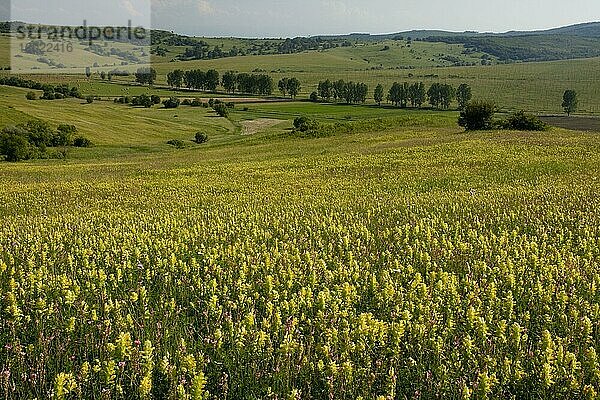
(418, 261)
(402, 259)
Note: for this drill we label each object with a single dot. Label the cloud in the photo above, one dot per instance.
(128, 6)
(205, 8)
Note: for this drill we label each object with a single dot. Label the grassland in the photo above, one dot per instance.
(406, 260)
(418, 259)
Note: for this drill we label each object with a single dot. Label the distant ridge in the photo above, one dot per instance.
(588, 30)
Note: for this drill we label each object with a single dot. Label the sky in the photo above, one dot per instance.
(289, 18)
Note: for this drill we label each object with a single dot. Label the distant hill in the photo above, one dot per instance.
(569, 42)
(589, 30)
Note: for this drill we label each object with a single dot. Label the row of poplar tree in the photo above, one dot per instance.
(439, 95)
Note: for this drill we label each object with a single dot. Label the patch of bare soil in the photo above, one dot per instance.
(573, 123)
(258, 125)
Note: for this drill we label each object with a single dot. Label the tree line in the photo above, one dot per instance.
(32, 139)
(399, 94)
(232, 82)
(350, 92)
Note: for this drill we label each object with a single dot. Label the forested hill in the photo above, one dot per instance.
(569, 42)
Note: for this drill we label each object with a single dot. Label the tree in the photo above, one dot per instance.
(229, 81)
(448, 94)
(417, 94)
(88, 72)
(441, 95)
(211, 81)
(338, 89)
(477, 116)
(378, 94)
(103, 75)
(201, 138)
(325, 90)
(221, 110)
(283, 86)
(175, 78)
(64, 135)
(171, 102)
(145, 76)
(314, 97)
(143, 100)
(293, 87)
(463, 96)
(14, 144)
(570, 102)
(398, 94)
(264, 84)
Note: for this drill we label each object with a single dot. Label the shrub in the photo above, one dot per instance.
(64, 135)
(142, 100)
(230, 105)
(304, 124)
(314, 97)
(221, 109)
(31, 96)
(155, 99)
(520, 121)
(14, 144)
(176, 143)
(81, 141)
(172, 102)
(48, 96)
(89, 99)
(197, 103)
(186, 102)
(201, 138)
(477, 116)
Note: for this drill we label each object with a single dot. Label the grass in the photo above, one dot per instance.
(255, 266)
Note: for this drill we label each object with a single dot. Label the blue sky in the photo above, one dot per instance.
(279, 18)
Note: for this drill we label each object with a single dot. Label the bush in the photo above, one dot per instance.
(520, 121)
(201, 138)
(186, 102)
(221, 109)
(197, 103)
(143, 101)
(89, 99)
(31, 96)
(314, 97)
(172, 102)
(81, 141)
(304, 124)
(14, 144)
(477, 116)
(155, 99)
(64, 135)
(230, 105)
(176, 143)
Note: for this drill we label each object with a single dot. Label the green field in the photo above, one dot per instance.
(419, 258)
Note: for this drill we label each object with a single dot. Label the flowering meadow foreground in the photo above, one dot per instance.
(407, 265)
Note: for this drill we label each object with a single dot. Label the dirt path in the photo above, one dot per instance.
(258, 125)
